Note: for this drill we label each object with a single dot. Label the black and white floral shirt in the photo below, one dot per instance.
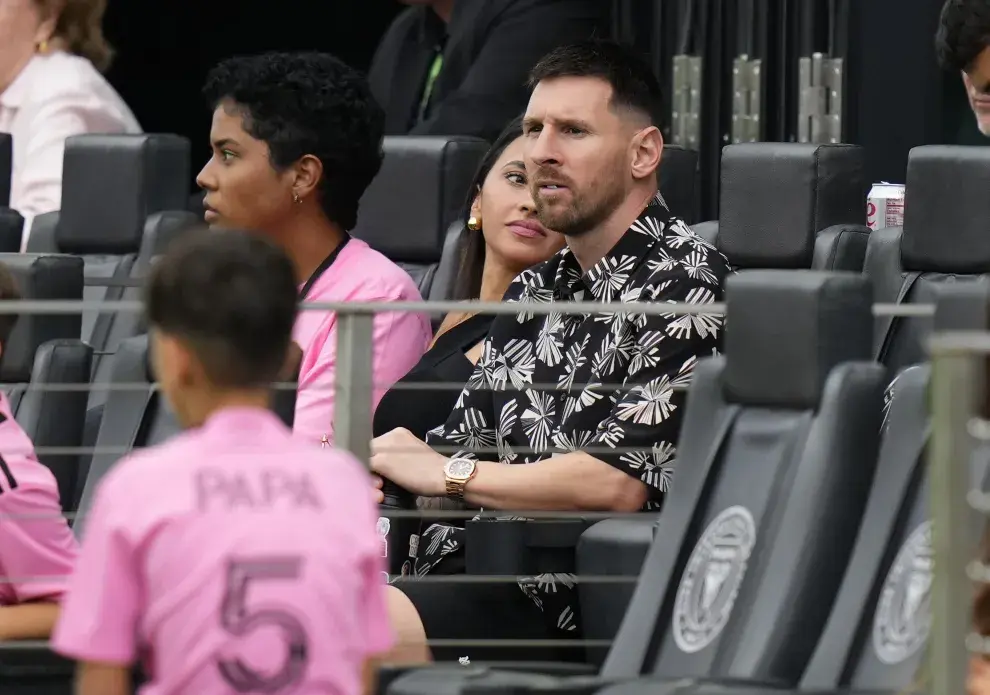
(605, 384)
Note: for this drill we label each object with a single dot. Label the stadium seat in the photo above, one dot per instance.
(123, 200)
(45, 349)
(776, 430)
(6, 167)
(419, 192)
(944, 239)
(791, 206)
(11, 230)
(137, 416)
(679, 181)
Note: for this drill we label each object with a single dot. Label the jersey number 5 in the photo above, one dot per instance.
(239, 620)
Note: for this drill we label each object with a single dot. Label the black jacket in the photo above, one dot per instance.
(489, 47)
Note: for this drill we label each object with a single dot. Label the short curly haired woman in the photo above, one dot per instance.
(52, 54)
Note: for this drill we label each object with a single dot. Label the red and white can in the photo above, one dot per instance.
(885, 206)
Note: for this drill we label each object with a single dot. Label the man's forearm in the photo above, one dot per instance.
(569, 482)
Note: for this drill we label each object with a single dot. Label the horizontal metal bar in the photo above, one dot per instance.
(446, 514)
(426, 579)
(34, 306)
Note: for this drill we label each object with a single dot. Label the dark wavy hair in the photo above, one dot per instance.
(963, 33)
(471, 249)
(308, 103)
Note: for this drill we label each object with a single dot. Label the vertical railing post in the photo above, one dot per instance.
(956, 387)
(353, 384)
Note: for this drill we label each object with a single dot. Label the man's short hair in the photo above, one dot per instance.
(634, 85)
(309, 103)
(231, 297)
(963, 33)
(8, 290)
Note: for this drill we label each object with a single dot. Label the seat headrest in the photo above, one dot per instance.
(963, 305)
(11, 230)
(947, 210)
(776, 197)
(111, 183)
(419, 191)
(786, 330)
(679, 181)
(40, 276)
(6, 167)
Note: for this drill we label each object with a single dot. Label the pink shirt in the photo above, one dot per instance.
(53, 97)
(360, 274)
(232, 558)
(37, 548)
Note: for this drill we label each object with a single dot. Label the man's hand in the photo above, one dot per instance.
(409, 463)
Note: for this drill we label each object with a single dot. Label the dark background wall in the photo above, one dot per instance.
(165, 47)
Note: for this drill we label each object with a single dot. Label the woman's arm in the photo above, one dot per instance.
(28, 620)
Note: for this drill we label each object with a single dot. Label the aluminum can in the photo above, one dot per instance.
(885, 206)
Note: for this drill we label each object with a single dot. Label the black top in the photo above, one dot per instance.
(488, 47)
(420, 410)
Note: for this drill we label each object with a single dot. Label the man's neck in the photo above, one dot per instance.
(308, 244)
(443, 9)
(592, 246)
(210, 403)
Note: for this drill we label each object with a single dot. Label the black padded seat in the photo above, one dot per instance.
(945, 238)
(777, 429)
(6, 167)
(117, 221)
(44, 350)
(791, 206)
(419, 192)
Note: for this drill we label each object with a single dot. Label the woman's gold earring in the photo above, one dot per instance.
(295, 198)
(474, 224)
(43, 47)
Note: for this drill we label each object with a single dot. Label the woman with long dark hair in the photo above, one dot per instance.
(502, 239)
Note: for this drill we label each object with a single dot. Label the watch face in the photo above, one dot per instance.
(460, 469)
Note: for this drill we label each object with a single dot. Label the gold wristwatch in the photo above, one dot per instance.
(458, 471)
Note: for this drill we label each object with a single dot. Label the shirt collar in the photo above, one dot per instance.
(607, 279)
(432, 29)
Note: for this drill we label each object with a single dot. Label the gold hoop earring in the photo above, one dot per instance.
(473, 223)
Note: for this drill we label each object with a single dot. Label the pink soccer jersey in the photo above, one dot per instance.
(233, 558)
(399, 339)
(37, 548)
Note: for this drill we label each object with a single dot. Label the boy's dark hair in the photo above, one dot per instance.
(963, 33)
(231, 296)
(8, 290)
(634, 85)
(308, 103)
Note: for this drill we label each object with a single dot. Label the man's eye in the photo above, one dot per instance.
(226, 155)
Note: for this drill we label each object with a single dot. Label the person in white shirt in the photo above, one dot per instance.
(52, 53)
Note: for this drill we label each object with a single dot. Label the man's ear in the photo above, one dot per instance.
(647, 148)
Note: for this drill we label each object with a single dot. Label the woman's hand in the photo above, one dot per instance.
(978, 682)
(409, 463)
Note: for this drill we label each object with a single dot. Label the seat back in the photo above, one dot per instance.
(792, 206)
(45, 367)
(753, 546)
(419, 192)
(118, 197)
(678, 184)
(11, 230)
(876, 635)
(944, 239)
(136, 416)
(6, 167)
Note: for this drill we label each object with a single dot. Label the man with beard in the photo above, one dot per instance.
(591, 403)
(963, 45)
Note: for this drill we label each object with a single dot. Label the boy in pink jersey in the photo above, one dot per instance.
(37, 548)
(234, 558)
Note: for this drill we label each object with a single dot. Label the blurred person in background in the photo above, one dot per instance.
(459, 67)
(238, 557)
(503, 238)
(52, 54)
(963, 45)
(296, 139)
